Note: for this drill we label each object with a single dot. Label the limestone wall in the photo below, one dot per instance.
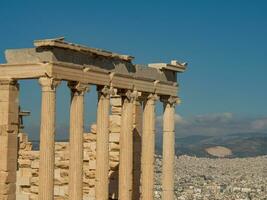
(28, 162)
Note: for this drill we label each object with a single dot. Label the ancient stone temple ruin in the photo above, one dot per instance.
(115, 160)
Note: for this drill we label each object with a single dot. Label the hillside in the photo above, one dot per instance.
(240, 144)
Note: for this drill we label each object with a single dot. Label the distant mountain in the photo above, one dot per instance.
(241, 144)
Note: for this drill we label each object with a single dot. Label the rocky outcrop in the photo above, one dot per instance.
(219, 151)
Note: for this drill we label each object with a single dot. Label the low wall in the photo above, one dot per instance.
(28, 162)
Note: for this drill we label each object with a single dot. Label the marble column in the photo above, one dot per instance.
(47, 138)
(9, 126)
(126, 147)
(76, 139)
(168, 147)
(137, 147)
(102, 144)
(148, 148)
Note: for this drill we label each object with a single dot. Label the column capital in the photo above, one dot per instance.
(78, 88)
(172, 100)
(8, 81)
(48, 84)
(130, 95)
(106, 91)
(149, 96)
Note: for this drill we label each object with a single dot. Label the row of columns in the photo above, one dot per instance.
(129, 101)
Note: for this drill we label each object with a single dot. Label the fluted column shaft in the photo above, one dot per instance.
(148, 148)
(126, 148)
(137, 146)
(47, 138)
(168, 149)
(102, 144)
(76, 140)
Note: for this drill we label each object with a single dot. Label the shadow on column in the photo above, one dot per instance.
(136, 163)
(113, 183)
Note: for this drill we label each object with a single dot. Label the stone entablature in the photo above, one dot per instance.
(71, 62)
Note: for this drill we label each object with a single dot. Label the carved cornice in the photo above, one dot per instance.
(49, 84)
(60, 43)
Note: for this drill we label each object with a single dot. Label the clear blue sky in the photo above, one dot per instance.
(224, 42)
